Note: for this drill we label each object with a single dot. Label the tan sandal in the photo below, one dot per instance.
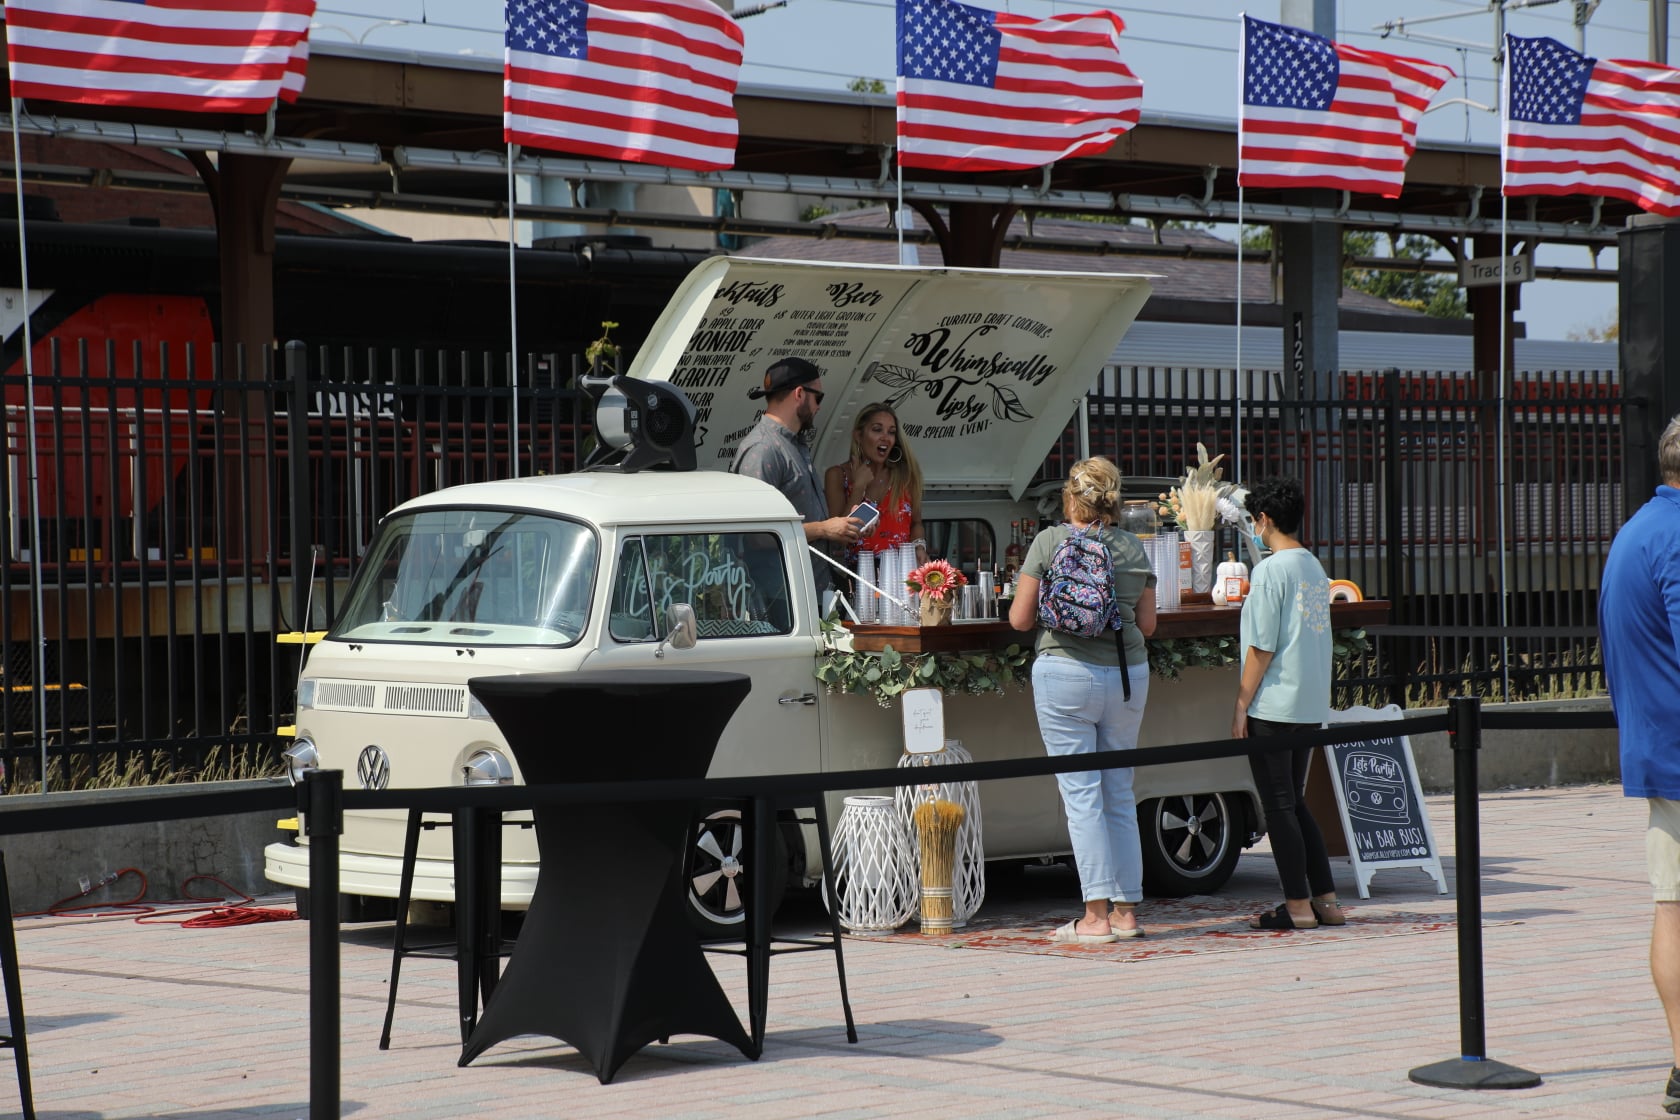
(1126, 908)
(1329, 912)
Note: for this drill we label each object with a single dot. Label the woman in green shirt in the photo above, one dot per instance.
(1083, 707)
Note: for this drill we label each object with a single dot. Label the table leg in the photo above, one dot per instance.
(490, 893)
(468, 916)
(763, 820)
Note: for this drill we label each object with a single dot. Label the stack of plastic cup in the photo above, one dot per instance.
(866, 601)
(1162, 549)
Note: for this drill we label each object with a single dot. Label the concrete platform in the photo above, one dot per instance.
(155, 1020)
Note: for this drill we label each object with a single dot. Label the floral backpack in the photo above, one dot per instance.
(1076, 595)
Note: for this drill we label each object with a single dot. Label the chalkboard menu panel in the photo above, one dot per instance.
(1381, 806)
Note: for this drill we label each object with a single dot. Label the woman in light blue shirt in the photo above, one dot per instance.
(1286, 654)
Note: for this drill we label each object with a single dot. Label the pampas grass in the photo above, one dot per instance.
(937, 822)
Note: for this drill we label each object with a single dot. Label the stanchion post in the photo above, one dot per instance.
(321, 801)
(1473, 1069)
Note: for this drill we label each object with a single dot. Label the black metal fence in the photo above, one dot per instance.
(1483, 520)
(193, 506)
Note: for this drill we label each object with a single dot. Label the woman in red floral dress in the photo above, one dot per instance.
(880, 469)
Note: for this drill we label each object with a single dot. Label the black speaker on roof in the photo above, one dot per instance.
(640, 424)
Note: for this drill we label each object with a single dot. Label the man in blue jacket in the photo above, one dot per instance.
(1639, 633)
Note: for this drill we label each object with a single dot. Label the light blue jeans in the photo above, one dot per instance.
(1081, 709)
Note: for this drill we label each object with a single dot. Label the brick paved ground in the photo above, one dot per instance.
(129, 1020)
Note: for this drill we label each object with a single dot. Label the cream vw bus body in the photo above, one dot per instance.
(576, 572)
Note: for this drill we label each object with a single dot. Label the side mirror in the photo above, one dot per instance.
(682, 629)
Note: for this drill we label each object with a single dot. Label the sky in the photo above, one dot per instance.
(1185, 51)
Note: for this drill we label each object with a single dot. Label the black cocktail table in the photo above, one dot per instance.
(606, 959)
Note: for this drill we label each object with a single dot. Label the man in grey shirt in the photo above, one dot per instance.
(773, 452)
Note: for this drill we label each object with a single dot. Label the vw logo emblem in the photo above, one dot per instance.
(373, 767)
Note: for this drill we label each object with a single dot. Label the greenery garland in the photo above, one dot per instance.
(886, 674)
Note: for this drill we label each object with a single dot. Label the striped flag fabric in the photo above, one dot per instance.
(1580, 125)
(980, 90)
(202, 56)
(1316, 113)
(297, 70)
(651, 81)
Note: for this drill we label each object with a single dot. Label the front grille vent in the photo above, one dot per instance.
(345, 695)
(425, 700)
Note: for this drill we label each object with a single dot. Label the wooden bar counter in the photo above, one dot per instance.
(1193, 621)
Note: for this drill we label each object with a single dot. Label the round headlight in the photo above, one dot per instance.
(300, 758)
(486, 767)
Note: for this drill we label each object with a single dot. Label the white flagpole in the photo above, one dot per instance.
(513, 312)
(1500, 394)
(38, 648)
(1242, 74)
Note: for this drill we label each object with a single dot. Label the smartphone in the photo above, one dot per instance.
(868, 514)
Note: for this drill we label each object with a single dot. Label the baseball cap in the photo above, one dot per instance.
(787, 373)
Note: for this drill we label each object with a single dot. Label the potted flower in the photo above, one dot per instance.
(937, 583)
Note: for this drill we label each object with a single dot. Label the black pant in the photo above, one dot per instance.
(1280, 777)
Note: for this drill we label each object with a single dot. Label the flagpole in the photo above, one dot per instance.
(1236, 450)
(1500, 394)
(898, 207)
(38, 648)
(1242, 74)
(513, 312)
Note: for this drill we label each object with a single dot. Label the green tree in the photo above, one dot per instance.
(1432, 293)
(867, 85)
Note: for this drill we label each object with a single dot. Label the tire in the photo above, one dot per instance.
(351, 907)
(1191, 843)
(715, 875)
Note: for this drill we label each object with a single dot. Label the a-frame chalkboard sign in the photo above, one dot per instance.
(1381, 806)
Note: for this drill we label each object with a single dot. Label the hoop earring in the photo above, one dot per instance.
(898, 450)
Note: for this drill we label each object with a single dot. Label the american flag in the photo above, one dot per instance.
(1316, 113)
(1579, 125)
(646, 80)
(297, 70)
(209, 56)
(980, 90)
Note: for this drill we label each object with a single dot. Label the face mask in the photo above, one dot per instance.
(1259, 544)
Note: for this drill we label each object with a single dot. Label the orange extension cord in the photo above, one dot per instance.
(147, 914)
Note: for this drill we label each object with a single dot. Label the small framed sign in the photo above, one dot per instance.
(1381, 806)
(924, 720)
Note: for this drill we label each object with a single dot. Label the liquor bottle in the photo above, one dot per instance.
(1012, 554)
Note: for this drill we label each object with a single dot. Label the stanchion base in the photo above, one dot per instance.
(1464, 1073)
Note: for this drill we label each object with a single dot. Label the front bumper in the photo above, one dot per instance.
(381, 876)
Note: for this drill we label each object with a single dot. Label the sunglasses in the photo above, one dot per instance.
(817, 393)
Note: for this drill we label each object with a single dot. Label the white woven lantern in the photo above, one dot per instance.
(968, 884)
(875, 874)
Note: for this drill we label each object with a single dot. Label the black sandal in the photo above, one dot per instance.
(1279, 918)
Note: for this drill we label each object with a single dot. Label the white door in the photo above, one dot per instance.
(751, 618)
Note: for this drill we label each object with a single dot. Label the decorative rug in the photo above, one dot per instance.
(1172, 927)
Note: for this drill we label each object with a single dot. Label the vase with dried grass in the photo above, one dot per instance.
(937, 823)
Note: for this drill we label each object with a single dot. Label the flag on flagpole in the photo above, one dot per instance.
(1316, 113)
(297, 69)
(1580, 125)
(646, 80)
(204, 56)
(980, 90)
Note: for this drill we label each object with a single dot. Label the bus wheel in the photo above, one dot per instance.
(717, 878)
(1190, 843)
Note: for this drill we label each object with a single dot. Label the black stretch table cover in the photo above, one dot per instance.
(606, 959)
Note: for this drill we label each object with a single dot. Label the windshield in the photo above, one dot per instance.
(473, 577)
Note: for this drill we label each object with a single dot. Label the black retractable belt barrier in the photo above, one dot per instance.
(16, 1041)
(1474, 1069)
(321, 802)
